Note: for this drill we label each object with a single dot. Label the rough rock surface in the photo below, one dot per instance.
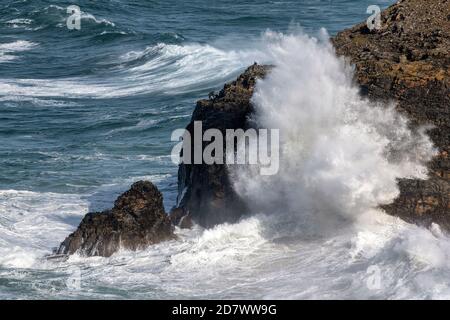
(205, 191)
(137, 220)
(408, 61)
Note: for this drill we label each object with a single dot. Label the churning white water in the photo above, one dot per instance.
(316, 231)
(341, 155)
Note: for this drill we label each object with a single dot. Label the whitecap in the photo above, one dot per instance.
(8, 50)
(173, 69)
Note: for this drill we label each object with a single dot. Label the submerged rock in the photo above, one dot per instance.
(137, 220)
(408, 61)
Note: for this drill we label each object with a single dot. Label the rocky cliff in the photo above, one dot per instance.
(407, 60)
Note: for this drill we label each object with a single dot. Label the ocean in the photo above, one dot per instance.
(85, 113)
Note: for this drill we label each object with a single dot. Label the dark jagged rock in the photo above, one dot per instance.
(408, 60)
(137, 220)
(205, 191)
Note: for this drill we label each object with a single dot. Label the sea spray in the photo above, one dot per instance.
(341, 155)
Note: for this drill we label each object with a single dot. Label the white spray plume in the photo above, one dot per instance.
(341, 155)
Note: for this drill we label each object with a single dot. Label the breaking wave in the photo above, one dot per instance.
(160, 68)
(340, 154)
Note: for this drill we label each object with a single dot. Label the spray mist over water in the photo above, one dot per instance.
(341, 155)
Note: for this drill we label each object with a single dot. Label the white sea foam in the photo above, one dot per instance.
(20, 21)
(8, 50)
(243, 260)
(88, 16)
(32, 223)
(24, 24)
(38, 101)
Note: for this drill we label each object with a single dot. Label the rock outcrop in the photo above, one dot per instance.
(205, 191)
(408, 61)
(137, 220)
